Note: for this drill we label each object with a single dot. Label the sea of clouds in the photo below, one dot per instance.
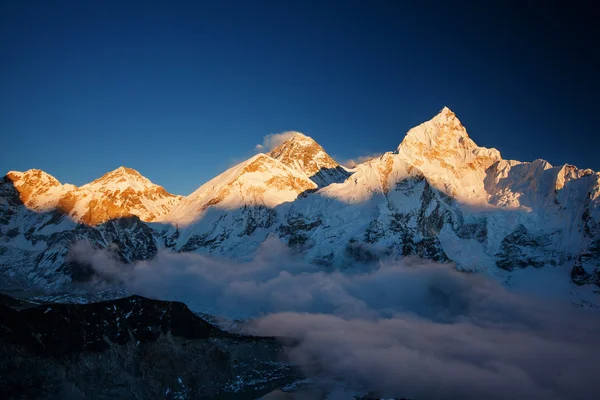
(410, 328)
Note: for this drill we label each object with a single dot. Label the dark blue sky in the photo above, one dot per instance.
(182, 90)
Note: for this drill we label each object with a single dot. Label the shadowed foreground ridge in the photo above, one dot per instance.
(132, 347)
(61, 329)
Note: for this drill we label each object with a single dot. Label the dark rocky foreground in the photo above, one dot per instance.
(134, 348)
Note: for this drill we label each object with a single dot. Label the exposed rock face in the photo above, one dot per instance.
(521, 249)
(129, 347)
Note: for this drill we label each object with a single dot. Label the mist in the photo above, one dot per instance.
(409, 328)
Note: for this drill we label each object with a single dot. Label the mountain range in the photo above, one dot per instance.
(437, 196)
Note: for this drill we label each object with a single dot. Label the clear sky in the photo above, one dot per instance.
(182, 90)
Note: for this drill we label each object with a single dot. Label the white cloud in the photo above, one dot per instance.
(273, 140)
(411, 328)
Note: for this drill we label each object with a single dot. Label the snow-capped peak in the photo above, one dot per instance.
(443, 132)
(446, 113)
(444, 152)
(305, 155)
(123, 171)
(119, 193)
(122, 179)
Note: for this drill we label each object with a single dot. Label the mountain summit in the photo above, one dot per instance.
(122, 173)
(303, 154)
(444, 152)
(122, 192)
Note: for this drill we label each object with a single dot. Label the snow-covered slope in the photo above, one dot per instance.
(232, 213)
(437, 196)
(258, 181)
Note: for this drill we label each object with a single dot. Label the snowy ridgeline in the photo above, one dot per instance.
(437, 196)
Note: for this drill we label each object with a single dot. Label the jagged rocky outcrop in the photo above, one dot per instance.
(132, 346)
(437, 196)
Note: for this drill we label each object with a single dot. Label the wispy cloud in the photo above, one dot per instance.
(273, 140)
(412, 328)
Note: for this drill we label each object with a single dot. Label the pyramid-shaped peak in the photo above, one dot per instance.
(447, 111)
(444, 141)
(448, 117)
(299, 147)
(122, 170)
(121, 174)
(305, 155)
(442, 131)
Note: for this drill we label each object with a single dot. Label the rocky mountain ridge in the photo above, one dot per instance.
(437, 196)
(123, 192)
